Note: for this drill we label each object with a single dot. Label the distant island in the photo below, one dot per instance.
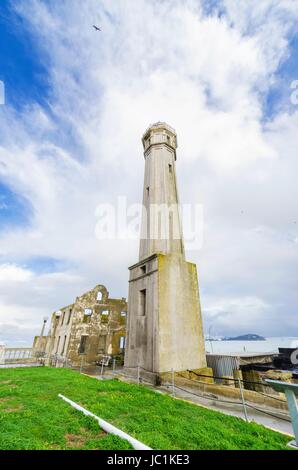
(249, 337)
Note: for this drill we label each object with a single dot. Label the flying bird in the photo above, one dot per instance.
(96, 28)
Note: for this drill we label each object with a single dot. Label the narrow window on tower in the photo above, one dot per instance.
(143, 302)
(143, 269)
(170, 169)
(148, 191)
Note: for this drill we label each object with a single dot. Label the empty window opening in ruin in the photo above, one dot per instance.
(69, 316)
(170, 168)
(143, 302)
(63, 317)
(99, 297)
(58, 315)
(123, 314)
(64, 343)
(83, 344)
(87, 315)
(58, 343)
(102, 344)
(122, 342)
(105, 312)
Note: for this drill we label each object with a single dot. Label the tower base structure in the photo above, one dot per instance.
(164, 321)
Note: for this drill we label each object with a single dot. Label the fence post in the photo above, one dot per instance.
(173, 383)
(82, 360)
(243, 401)
(138, 375)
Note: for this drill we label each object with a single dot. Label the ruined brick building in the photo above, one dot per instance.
(92, 327)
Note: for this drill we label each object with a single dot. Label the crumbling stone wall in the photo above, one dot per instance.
(92, 327)
(39, 345)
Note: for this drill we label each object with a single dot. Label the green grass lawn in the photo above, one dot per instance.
(33, 417)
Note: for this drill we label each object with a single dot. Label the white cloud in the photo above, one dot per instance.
(237, 314)
(206, 76)
(13, 273)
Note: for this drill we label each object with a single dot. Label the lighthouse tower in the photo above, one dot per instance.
(164, 330)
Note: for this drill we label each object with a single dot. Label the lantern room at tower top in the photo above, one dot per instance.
(160, 133)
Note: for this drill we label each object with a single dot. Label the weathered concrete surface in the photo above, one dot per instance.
(165, 323)
(39, 345)
(259, 377)
(229, 392)
(161, 230)
(206, 372)
(142, 330)
(181, 341)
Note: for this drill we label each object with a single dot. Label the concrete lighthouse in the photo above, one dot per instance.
(164, 330)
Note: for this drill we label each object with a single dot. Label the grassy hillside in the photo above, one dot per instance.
(33, 417)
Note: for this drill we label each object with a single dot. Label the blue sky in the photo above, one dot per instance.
(25, 78)
(278, 96)
(77, 103)
(14, 211)
(23, 67)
